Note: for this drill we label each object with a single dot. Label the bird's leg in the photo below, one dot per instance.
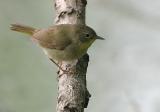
(65, 71)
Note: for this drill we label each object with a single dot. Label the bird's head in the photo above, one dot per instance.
(87, 36)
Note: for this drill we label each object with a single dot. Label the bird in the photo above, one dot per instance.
(63, 42)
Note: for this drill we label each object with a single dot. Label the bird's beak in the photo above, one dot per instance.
(98, 37)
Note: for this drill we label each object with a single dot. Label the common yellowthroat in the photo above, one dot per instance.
(63, 42)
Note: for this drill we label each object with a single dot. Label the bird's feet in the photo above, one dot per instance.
(69, 71)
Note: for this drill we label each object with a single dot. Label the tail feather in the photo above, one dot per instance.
(22, 28)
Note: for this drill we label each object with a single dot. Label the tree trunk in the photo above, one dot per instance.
(73, 95)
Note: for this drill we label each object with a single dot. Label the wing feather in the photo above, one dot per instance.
(52, 38)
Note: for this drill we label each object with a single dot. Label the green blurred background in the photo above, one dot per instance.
(124, 70)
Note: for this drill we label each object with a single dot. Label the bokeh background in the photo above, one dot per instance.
(124, 70)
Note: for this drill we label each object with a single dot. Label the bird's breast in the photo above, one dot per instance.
(72, 52)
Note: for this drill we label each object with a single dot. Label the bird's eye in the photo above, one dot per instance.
(87, 35)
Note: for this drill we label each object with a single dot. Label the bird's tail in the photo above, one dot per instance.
(22, 28)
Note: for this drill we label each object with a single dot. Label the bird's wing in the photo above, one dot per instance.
(52, 39)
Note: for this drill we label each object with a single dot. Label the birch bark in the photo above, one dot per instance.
(73, 95)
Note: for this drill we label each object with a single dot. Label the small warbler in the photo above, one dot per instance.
(63, 42)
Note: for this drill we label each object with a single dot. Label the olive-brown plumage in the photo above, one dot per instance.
(63, 42)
